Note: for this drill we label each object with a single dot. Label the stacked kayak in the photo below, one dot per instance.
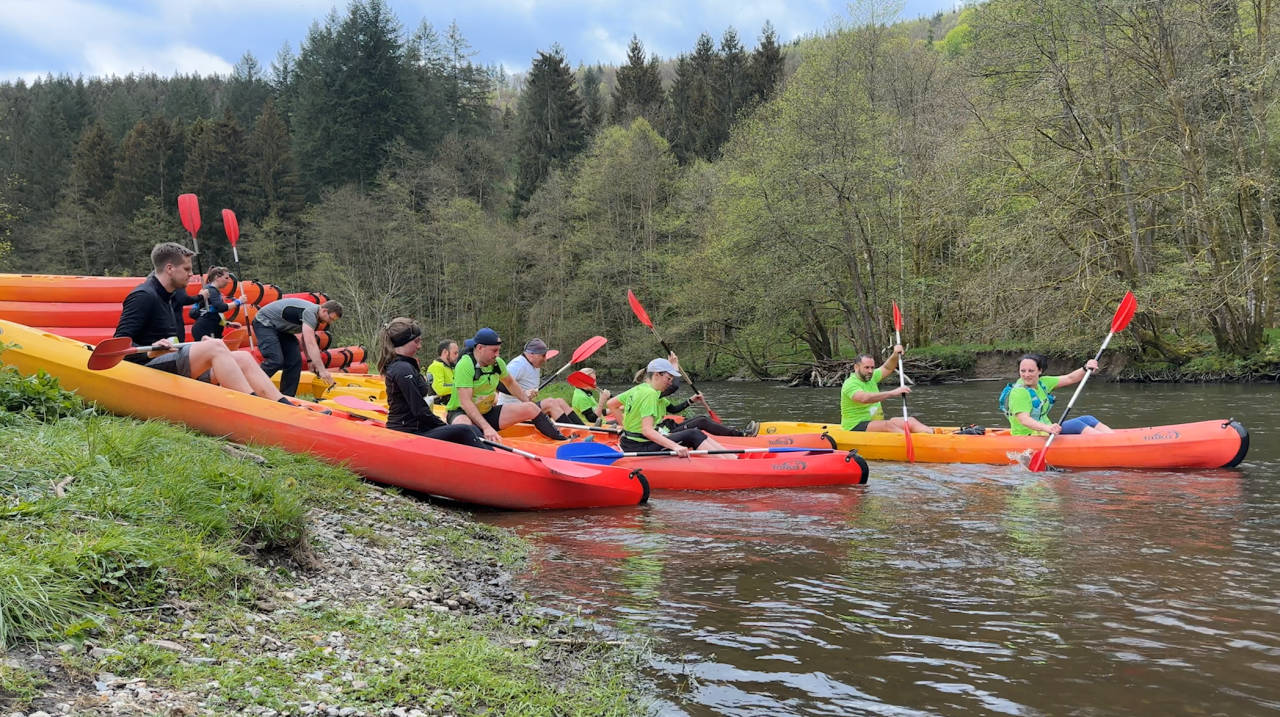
(495, 479)
(751, 470)
(1206, 444)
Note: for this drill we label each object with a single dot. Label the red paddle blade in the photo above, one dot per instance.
(587, 348)
(189, 210)
(110, 352)
(233, 339)
(897, 317)
(581, 380)
(911, 446)
(1038, 462)
(638, 310)
(232, 225)
(569, 469)
(353, 402)
(1124, 313)
(552, 354)
(712, 415)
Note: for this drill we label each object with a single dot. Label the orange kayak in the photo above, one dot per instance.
(1206, 444)
(752, 470)
(46, 288)
(497, 479)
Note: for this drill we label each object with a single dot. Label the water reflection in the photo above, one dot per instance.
(947, 590)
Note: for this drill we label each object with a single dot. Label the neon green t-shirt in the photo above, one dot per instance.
(1021, 401)
(582, 401)
(441, 378)
(483, 382)
(643, 400)
(851, 412)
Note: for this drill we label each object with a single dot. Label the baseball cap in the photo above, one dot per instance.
(661, 365)
(535, 346)
(487, 337)
(468, 344)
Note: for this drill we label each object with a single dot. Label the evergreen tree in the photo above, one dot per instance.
(764, 70)
(467, 87)
(150, 164)
(695, 129)
(273, 176)
(593, 99)
(733, 86)
(638, 89)
(187, 99)
(431, 71)
(215, 172)
(355, 93)
(247, 90)
(550, 124)
(283, 75)
(94, 167)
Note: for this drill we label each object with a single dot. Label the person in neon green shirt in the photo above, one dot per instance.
(475, 392)
(590, 409)
(441, 369)
(1028, 402)
(643, 409)
(860, 398)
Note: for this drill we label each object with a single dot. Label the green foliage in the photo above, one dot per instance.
(37, 397)
(18, 686)
(637, 91)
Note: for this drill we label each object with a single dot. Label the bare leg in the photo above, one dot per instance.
(255, 377)
(1100, 428)
(893, 425)
(517, 413)
(711, 445)
(206, 355)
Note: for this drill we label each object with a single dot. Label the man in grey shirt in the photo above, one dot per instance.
(526, 369)
(277, 327)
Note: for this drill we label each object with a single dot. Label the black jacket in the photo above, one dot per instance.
(216, 305)
(407, 408)
(152, 313)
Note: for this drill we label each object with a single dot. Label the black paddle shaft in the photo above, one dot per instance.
(686, 375)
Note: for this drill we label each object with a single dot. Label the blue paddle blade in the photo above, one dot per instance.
(587, 453)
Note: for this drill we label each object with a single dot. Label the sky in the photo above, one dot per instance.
(106, 37)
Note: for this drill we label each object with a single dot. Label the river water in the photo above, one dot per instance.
(946, 589)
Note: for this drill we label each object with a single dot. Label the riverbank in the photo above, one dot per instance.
(144, 568)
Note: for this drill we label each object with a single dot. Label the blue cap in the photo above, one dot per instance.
(662, 366)
(487, 337)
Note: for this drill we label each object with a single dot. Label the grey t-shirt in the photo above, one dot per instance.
(525, 374)
(288, 315)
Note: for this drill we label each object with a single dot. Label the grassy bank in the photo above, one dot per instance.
(143, 567)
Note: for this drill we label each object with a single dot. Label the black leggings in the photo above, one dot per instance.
(706, 425)
(690, 438)
(207, 325)
(460, 433)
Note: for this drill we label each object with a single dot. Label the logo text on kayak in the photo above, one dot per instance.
(790, 466)
(1162, 436)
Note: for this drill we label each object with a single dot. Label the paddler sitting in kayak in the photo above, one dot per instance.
(526, 369)
(591, 410)
(475, 392)
(642, 408)
(1027, 401)
(277, 327)
(407, 408)
(441, 370)
(860, 398)
(208, 312)
(703, 423)
(148, 318)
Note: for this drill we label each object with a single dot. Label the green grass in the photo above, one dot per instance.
(18, 687)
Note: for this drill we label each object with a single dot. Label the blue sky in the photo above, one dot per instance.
(103, 37)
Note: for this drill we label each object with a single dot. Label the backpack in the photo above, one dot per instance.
(1036, 411)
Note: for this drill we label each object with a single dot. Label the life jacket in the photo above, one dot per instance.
(1039, 409)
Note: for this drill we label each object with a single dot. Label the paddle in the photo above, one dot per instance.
(232, 225)
(113, 351)
(1123, 314)
(353, 402)
(565, 468)
(643, 315)
(234, 338)
(582, 353)
(581, 380)
(552, 354)
(604, 455)
(189, 210)
(902, 382)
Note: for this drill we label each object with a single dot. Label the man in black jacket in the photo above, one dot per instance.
(151, 317)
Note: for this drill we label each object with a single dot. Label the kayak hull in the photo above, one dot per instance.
(462, 473)
(1205, 444)
(756, 470)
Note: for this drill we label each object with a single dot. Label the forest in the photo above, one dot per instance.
(1004, 174)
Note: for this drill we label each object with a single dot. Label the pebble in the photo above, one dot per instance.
(100, 652)
(167, 645)
(38, 714)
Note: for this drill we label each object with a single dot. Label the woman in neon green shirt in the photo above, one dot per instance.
(643, 408)
(1028, 401)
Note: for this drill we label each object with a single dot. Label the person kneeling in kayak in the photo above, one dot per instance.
(441, 369)
(208, 313)
(148, 318)
(643, 407)
(407, 408)
(1026, 402)
(475, 392)
(526, 369)
(860, 398)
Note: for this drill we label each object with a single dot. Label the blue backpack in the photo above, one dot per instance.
(1039, 409)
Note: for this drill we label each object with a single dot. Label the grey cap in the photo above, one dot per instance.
(535, 346)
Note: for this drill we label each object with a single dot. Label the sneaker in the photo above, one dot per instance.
(752, 429)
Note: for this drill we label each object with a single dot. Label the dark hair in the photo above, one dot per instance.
(862, 356)
(215, 273)
(444, 346)
(168, 253)
(1042, 361)
(398, 332)
(332, 307)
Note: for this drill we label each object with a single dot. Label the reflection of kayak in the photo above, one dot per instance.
(1207, 444)
(755, 470)
(487, 478)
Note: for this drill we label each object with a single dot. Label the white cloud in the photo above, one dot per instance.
(113, 59)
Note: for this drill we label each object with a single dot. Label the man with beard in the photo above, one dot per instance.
(441, 369)
(860, 398)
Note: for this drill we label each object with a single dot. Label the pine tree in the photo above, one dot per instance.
(696, 118)
(215, 172)
(187, 98)
(355, 93)
(467, 87)
(593, 99)
(638, 89)
(283, 76)
(733, 87)
(247, 90)
(273, 176)
(550, 123)
(149, 165)
(764, 70)
(94, 166)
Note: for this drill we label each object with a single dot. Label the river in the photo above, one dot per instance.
(946, 589)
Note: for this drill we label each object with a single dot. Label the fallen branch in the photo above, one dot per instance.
(238, 451)
(60, 485)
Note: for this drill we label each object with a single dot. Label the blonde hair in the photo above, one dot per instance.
(398, 331)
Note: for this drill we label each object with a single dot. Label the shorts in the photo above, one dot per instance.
(178, 363)
(493, 417)
(861, 426)
(689, 438)
(1076, 426)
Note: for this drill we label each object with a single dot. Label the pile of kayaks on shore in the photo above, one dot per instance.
(816, 454)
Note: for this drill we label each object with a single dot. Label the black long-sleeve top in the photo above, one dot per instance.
(216, 304)
(407, 408)
(151, 313)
